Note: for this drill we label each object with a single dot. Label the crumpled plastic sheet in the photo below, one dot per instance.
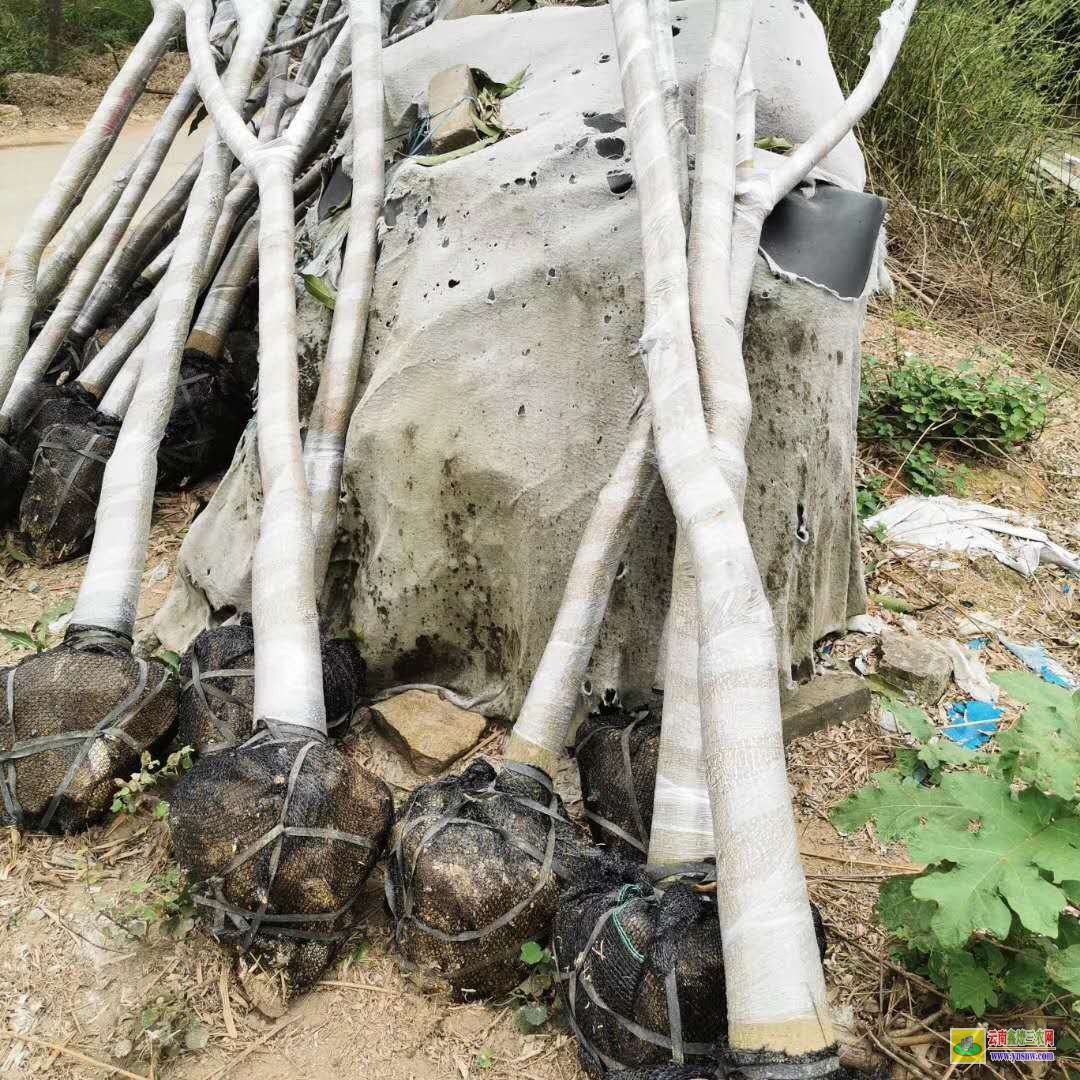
(969, 673)
(942, 523)
(972, 723)
(1038, 660)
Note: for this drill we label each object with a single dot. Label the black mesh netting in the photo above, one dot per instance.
(208, 415)
(49, 404)
(277, 838)
(641, 969)
(473, 873)
(712, 1072)
(616, 752)
(77, 718)
(14, 473)
(218, 687)
(60, 501)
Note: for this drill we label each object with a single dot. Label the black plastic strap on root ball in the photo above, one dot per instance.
(640, 803)
(111, 727)
(772, 1065)
(549, 864)
(674, 1042)
(204, 684)
(227, 922)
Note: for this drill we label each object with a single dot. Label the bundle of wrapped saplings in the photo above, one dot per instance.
(684, 936)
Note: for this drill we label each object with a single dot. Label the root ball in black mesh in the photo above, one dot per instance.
(616, 752)
(277, 838)
(641, 969)
(77, 718)
(48, 405)
(218, 687)
(474, 873)
(15, 470)
(60, 501)
(208, 415)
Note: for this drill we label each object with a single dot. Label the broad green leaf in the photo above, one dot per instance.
(910, 718)
(965, 904)
(1031, 689)
(1043, 750)
(531, 1017)
(777, 143)
(992, 851)
(325, 294)
(906, 916)
(170, 659)
(893, 603)
(1025, 979)
(1064, 968)
(970, 986)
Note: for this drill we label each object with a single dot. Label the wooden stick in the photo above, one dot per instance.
(901, 1059)
(56, 1048)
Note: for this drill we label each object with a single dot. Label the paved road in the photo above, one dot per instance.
(28, 163)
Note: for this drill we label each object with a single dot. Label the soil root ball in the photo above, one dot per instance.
(60, 501)
(278, 866)
(77, 718)
(616, 752)
(69, 405)
(474, 873)
(217, 687)
(15, 470)
(641, 969)
(208, 416)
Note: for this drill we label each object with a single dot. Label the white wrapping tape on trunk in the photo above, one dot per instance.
(117, 399)
(542, 727)
(101, 373)
(325, 445)
(110, 590)
(773, 1005)
(79, 233)
(19, 298)
(123, 266)
(288, 672)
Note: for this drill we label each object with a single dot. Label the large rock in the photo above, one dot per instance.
(450, 99)
(500, 373)
(915, 663)
(430, 732)
(824, 702)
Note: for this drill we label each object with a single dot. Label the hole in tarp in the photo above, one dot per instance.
(611, 147)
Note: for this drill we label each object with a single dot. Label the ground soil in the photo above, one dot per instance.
(50, 104)
(77, 975)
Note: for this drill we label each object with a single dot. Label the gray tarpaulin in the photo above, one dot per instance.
(500, 373)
